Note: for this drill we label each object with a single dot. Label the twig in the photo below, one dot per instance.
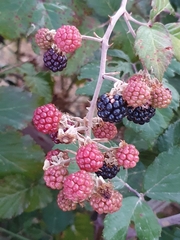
(110, 78)
(17, 236)
(130, 18)
(91, 38)
(105, 46)
(169, 221)
(131, 30)
(132, 189)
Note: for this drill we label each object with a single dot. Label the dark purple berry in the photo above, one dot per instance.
(108, 171)
(54, 61)
(140, 115)
(111, 108)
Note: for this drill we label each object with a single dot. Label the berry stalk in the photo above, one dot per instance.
(105, 46)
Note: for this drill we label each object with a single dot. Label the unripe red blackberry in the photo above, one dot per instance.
(65, 204)
(54, 60)
(46, 118)
(106, 200)
(137, 92)
(44, 38)
(104, 130)
(127, 155)
(68, 38)
(54, 176)
(161, 96)
(78, 186)
(140, 115)
(89, 157)
(111, 108)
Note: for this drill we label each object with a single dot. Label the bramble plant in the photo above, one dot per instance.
(119, 158)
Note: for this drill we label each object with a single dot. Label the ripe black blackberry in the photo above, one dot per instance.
(107, 171)
(111, 108)
(140, 115)
(54, 61)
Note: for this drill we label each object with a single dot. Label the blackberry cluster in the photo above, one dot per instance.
(111, 108)
(107, 171)
(54, 61)
(140, 115)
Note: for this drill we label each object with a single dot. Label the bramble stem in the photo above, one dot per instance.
(131, 189)
(110, 78)
(131, 30)
(17, 236)
(130, 18)
(91, 38)
(105, 46)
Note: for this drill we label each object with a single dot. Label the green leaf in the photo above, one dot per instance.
(153, 45)
(135, 176)
(176, 47)
(122, 40)
(89, 88)
(146, 223)
(162, 178)
(114, 227)
(20, 155)
(109, 7)
(16, 194)
(134, 209)
(170, 137)
(82, 228)
(132, 137)
(16, 107)
(22, 13)
(89, 71)
(38, 83)
(55, 219)
(170, 234)
(118, 54)
(39, 197)
(119, 180)
(173, 68)
(174, 30)
(150, 131)
(158, 7)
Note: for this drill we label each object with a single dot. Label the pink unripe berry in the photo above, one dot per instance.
(127, 155)
(46, 118)
(78, 186)
(68, 38)
(89, 157)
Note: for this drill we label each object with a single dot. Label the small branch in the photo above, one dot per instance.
(111, 73)
(131, 30)
(169, 221)
(105, 46)
(91, 38)
(110, 78)
(132, 189)
(13, 234)
(130, 18)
